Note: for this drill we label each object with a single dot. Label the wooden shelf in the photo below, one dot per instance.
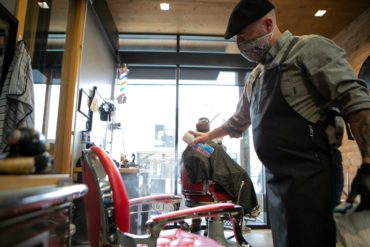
(121, 170)
(8, 182)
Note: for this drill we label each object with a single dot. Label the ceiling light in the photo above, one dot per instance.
(43, 5)
(165, 6)
(320, 12)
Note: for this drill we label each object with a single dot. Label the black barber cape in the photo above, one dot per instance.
(224, 171)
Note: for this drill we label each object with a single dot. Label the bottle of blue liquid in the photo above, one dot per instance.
(202, 148)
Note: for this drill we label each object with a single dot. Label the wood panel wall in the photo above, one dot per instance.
(355, 39)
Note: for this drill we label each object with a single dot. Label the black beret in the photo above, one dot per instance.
(245, 13)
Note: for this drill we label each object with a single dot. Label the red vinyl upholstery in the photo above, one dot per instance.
(179, 238)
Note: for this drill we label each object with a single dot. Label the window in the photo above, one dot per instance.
(208, 93)
(148, 43)
(148, 119)
(45, 38)
(207, 44)
(148, 127)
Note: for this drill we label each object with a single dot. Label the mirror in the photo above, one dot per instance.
(8, 33)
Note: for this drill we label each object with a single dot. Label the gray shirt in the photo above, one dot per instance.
(316, 75)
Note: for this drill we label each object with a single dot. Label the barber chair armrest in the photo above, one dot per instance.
(156, 224)
(172, 199)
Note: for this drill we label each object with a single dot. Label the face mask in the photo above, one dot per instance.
(256, 50)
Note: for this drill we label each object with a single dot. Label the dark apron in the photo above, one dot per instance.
(300, 173)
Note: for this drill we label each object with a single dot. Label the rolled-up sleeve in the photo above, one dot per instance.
(331, 74)
(240, 120)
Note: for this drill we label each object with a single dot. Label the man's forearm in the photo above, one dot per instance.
(217, 133)
(360, 127)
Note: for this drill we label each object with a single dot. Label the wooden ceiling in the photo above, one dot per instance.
(209, 17)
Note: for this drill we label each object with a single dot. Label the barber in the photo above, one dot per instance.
(286, 101)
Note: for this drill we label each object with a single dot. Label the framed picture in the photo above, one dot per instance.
(84, 103)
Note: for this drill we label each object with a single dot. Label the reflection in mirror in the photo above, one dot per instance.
(45, 37)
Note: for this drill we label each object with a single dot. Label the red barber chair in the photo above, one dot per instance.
(206, 193)
(108, 210)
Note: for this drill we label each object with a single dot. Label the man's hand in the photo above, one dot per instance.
(208, 136)
(199, 137)
(361, 186)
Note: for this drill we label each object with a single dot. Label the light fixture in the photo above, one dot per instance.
(43, 5)
(165, 6)
(320, 12)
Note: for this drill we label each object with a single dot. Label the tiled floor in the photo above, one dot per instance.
(259, 238)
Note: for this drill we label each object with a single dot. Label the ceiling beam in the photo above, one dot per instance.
(182, 58)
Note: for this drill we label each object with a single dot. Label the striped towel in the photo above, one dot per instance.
(17, 96)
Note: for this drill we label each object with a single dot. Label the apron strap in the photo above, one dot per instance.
(286, 53)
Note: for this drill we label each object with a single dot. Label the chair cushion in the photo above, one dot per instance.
(179, 238)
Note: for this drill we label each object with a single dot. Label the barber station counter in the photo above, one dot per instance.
(121, 170)
(135, 180)
(130, 177)
(35, 210)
